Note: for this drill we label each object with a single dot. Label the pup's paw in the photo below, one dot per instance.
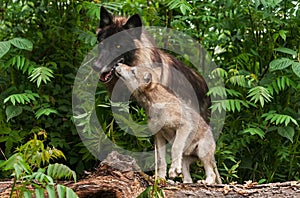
(174, 171)
(206, 182)
(187, 181)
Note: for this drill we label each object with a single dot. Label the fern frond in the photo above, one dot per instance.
(217, 91)
(44, 111)
(28, 96)
(260, 94)
(59, 171)
(228, 105)
(41, 74)
(219, 72)
(239, 80)
(21, 63)
(278, 119)
(40, 176)
(255, 131)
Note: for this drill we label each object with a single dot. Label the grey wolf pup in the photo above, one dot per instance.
(175, 122)
(144, 52)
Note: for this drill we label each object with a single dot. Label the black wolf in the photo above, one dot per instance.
(144, 52)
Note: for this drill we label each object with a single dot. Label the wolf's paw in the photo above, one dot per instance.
(174, 171)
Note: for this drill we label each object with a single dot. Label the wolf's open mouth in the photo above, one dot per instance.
(107, 76)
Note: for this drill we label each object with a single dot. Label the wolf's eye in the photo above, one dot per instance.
(118, 46)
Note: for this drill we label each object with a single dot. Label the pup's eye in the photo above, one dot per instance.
(118, 46)
(147, 77)
(133, 71)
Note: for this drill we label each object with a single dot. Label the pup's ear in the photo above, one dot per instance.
(105, 18)
(147, 77)
(134, 21)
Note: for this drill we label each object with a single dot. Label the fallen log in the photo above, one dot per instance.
(118, 176)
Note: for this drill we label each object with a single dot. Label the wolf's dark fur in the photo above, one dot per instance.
(145, 53)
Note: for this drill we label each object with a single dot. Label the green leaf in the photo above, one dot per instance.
(44, 111)
(255, 131)
(61, 191)
(51, 191)
(70, 193)
(13, 111)
(4, 48)
(287, 132)
(17, 163)
(39, 192)
(280, 64)
(282, 34)
(286, 51)
(22, 43)
(296, 68)
(27, 194)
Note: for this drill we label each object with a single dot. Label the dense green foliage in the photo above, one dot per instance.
(255, 43)
(33, 174)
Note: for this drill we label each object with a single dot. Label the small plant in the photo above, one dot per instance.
(34, 174)
(153, 191)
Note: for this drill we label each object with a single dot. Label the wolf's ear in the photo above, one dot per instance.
(147, 77)
(134, 21)
(105, 18)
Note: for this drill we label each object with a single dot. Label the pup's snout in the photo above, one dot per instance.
(118, 69)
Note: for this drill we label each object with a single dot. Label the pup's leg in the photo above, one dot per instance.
(208, 164)
(218, 178)
(178, 146)
(160, 143)
(186, 162)
(206, 150)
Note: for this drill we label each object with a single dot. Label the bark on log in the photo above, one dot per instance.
(119, 176)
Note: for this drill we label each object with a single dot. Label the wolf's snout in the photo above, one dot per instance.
(95, 67)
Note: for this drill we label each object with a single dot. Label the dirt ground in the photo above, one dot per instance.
(109, 182)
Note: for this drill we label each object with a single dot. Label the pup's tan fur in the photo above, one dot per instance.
(174, 121)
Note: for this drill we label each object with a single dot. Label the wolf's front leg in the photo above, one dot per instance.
(160, 143)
